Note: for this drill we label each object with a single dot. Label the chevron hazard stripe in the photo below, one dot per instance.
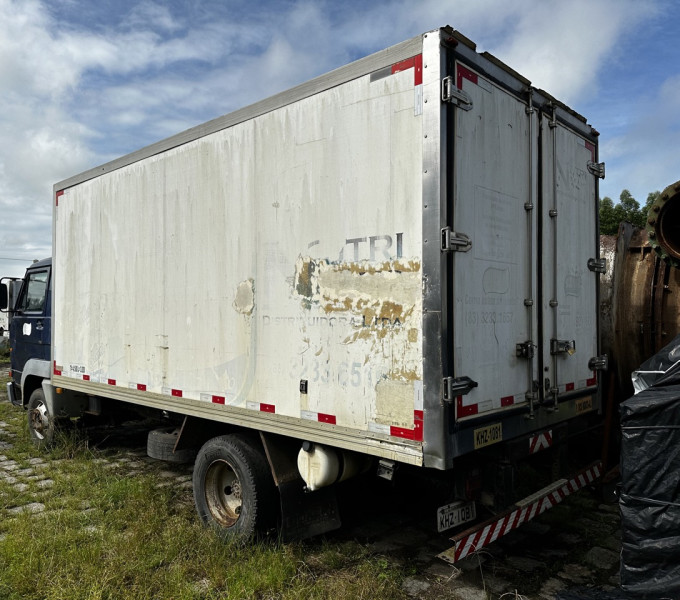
(483, 534)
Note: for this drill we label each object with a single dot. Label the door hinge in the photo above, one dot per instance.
(453, 241)
(450, 93)
(525, 350)
(597, 265)
(457, 386)
(599, 363)
(562, 347)
(596, 169)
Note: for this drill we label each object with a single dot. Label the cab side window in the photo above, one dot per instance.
(34, 292)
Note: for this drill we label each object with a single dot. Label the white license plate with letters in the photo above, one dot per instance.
(455, 514)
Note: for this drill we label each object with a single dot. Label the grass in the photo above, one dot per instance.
(108, 531)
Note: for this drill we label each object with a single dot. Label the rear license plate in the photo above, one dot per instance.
(455, 514)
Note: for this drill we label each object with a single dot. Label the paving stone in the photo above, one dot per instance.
(613, 542)
(498, 586)
(24, 472)
(33, 507)
(443, 570)
(472, 562)
(37, 462)
(168, 474)
(45, 483)
(601, 558)
(414, 587)
(525, 564)
(576, 573)
(551, 587)
(10, 479)
(20, 487)
(554, 553)
(470, 593)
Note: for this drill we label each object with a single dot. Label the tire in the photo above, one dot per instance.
(160, 444)
(233, 487)
(41, 424)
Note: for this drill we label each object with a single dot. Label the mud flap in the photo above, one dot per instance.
(303, 514)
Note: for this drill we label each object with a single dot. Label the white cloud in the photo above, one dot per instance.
(75, 95)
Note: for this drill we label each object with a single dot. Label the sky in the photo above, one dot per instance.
(85, 81)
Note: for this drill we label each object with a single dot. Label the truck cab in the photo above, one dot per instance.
(29, 305)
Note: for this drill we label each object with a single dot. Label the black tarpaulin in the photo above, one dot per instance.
(650, 479)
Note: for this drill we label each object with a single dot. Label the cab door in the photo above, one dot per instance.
(30, 332)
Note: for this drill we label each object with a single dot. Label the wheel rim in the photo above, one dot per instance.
(223, 493)
(39, 419)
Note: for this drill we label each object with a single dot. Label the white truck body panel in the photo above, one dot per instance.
(280, 268)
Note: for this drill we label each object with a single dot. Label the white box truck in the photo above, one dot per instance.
(395, 263)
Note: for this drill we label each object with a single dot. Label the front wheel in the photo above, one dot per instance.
(41, 423)
(233, 487)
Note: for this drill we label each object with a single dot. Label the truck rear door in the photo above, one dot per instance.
(522, 208)
(494, 279)
(569, 247)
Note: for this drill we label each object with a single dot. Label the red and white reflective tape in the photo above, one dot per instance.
(484, 534)
(261, 407)
(317, 416)
(541, 441)
(475, 408)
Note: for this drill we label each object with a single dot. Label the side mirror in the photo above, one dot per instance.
(4, 296)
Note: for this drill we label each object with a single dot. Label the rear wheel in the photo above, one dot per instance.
(41, 423)
(233, 487)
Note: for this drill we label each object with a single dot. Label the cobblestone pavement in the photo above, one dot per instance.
(574, 546)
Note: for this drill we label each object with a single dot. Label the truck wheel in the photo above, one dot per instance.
(233, 487)
(160, 444)
(41, 424)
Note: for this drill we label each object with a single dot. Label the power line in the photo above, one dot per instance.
(21, 259)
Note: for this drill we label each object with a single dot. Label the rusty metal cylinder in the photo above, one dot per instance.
(663, 225)
(640, 293)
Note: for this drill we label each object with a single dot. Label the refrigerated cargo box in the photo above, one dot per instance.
(398, 258)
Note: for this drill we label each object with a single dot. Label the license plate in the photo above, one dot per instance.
(455, 514)
(486, 436)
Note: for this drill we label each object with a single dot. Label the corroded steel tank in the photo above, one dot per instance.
(640, 292)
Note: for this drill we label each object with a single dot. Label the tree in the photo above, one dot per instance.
(627, 209)
(610, 216)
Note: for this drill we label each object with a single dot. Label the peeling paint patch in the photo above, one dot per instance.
(380, 294)
(377, 308)
(244, 302)
(394, 403)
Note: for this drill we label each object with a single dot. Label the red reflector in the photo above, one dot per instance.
(507, 401)
(326, 418)
(86, 378)
(112, 382)
(219, 399)
(141, 387)
(465, 411)
(569, 387)
(177, 393)
(400, 432)
(269, 408)
(463, 73)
